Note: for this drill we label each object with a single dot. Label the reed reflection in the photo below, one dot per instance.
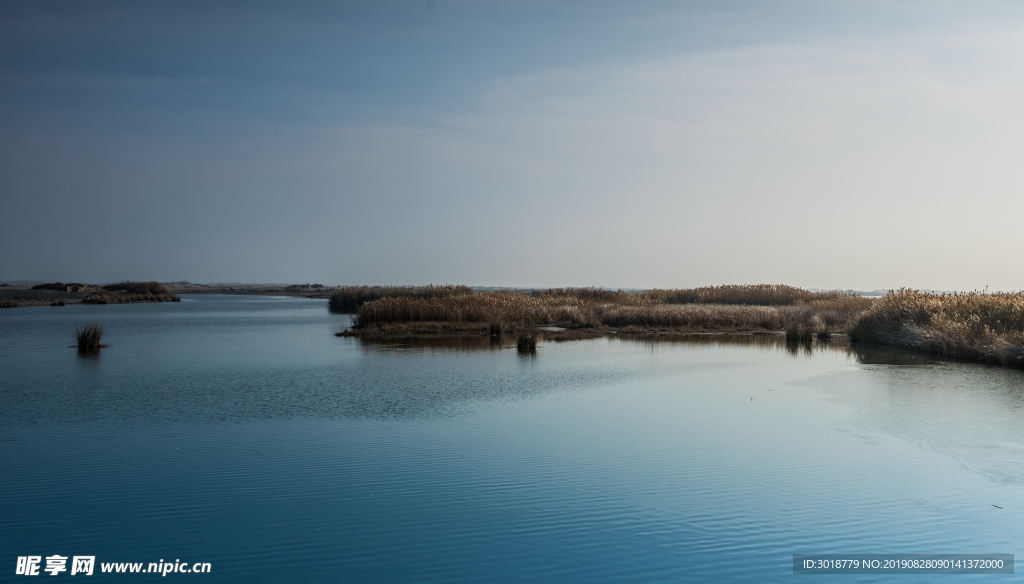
(404, 345)
(862, 353)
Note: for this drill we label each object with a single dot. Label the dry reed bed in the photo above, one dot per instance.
(971, 326)
(128, 292)
(747, 294)
(122, 298)
(152, 287)
(350, 298)
(508, 309)
(701, 317)
(495, 311)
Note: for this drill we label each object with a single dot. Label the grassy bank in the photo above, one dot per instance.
(130, 292)
(350, 298)
(22, 297)
(720, 309)
(60, 294)
(971, 326)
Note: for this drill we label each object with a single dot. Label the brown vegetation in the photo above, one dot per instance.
(58, 293)
(89, 336)
(752, 295)
(527, 342)
(5, 303)
(128, 292)
(511, 310)
(745, 294)
(349, 298)
(972, 326)
(599, 309)
(127, 286)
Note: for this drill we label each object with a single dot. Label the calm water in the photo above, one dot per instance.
(239, 431)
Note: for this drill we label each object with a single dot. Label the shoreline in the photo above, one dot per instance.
(555, 333)
(975, 326)
(324, 296)
(60, 294)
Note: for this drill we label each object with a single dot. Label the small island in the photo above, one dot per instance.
(971, 326)
(60, 294)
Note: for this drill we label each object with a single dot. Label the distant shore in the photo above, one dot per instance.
(18, 297)
(970, 326)
(25, 296)
(62, 294)
(294, 290)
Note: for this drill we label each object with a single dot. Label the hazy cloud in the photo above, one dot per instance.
(847, 160)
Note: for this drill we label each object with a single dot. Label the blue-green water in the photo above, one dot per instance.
(239, 431)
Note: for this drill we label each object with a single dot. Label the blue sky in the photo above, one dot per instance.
(844, 144)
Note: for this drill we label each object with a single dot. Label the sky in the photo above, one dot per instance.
(848, 144)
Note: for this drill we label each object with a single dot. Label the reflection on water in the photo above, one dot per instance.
(399, 344)
(970, 412)
(88, 352)
(240, 431)
(222, 358)
(869, 354)
(403, 345)
(859, 352)
(983, 402)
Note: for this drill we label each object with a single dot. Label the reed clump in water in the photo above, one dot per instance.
(6, 303)
(89, 336)
(526, 342)
(800, 333)
(974, 326)
(348, 299)
(824, 318)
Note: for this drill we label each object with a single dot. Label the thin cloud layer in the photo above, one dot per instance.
(852, 160)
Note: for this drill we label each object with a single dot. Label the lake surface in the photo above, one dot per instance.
(239, 431)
